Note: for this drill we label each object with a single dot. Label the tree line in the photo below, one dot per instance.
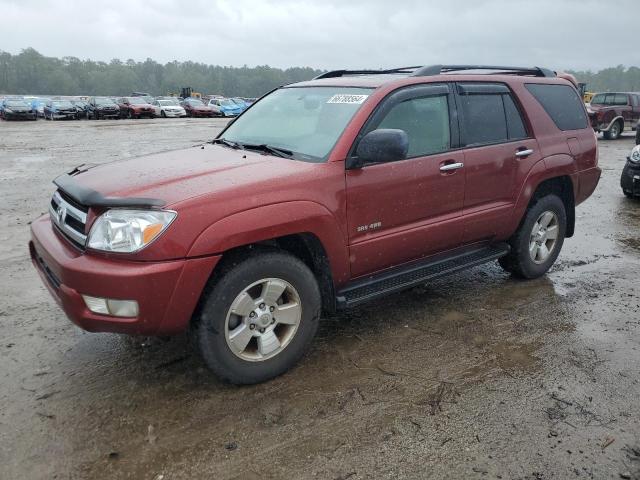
(30, 72)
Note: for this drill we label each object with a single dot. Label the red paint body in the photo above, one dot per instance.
(198, 110)
(135, 110)
(603, 115)
(229, 198)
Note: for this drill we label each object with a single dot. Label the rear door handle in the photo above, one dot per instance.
(524, 153)
(447, 167)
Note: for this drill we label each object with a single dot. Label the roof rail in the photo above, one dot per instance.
(344, 73)
(439, 69)
(419, 71)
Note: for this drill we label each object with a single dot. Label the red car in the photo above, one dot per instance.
(196, 108)
(323, 195)
(135, 107)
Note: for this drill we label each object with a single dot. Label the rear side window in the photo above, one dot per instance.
(426, 122)
(562, 104)
(491, 117)
(620, 99)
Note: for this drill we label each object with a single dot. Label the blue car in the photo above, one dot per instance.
(238, 101)
(226, 107)
(57, 109)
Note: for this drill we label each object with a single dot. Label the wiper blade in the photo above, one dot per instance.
(229, 143)
(277, 151)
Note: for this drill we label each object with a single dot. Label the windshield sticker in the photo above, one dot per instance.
(341, 98)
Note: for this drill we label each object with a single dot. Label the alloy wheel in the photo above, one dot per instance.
(263, 319)
(544, 237)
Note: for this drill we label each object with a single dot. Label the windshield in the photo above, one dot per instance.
(62, 104)
(598, 99)
(137, 101)
(307, 121)
(194, 102)
(104, 101)
(227, 103)
(16, 103)
(166, 103)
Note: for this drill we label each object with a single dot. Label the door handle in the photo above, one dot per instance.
(447, 167)
(524, 153)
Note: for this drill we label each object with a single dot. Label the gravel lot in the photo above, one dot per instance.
(474, 376)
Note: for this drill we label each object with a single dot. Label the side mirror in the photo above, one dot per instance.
(381, 146)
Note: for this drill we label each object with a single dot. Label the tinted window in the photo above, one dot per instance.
(620, 99)
(598, 99)
(484, 119)
(426, 121)
(562, 103)
(515, 126)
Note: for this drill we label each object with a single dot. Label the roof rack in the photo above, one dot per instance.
(345, 73)
(439, 69)
(430, 70)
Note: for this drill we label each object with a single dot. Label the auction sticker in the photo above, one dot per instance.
(343, 98)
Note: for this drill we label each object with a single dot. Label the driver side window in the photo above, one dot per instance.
(426, 122)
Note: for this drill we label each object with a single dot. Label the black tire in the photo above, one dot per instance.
(162, 114)
(638, 135)
(519, 261)
(208, 326)
(130, 115)
(614, 132)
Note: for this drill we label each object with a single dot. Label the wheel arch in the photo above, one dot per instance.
(305, 229)
(554, 174)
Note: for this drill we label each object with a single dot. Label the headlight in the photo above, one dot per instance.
(8, 110)
(127, 231)
(635, 154)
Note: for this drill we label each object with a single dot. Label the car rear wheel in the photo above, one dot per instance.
(162, 114)
(537, 243)
(258, 318)
(614, 132)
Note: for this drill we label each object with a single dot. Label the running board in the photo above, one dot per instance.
(361, 291)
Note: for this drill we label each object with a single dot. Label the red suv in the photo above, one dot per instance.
(323, 195)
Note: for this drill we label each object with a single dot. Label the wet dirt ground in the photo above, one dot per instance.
(474, 376)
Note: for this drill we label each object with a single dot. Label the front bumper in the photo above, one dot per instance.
(167, 292)
(19, 115)
(630, 179)
(170, 113)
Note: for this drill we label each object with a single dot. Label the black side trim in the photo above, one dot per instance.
(91, 198)
(361, 291)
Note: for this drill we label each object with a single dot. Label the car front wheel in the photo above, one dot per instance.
(258, 318)
(537, 243)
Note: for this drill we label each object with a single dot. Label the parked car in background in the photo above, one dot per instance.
(102, 107)
(227, 107)
(630, 179)
(59, 110)
(241, 103)
(196, 108)
(135, 107)
(17, 109)
(81, 107)
(169, 108)
(38, 105)
(612, 113)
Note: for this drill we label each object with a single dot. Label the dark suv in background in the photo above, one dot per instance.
(612, 113)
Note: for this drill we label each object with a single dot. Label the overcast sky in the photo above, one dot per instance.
(559, 34)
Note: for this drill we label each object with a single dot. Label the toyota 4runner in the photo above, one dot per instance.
(322, 195)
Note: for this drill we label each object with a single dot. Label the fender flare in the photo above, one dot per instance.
(615, 119)
(547, 168)
(268, 222)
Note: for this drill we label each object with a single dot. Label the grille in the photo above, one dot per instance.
(69, 217)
